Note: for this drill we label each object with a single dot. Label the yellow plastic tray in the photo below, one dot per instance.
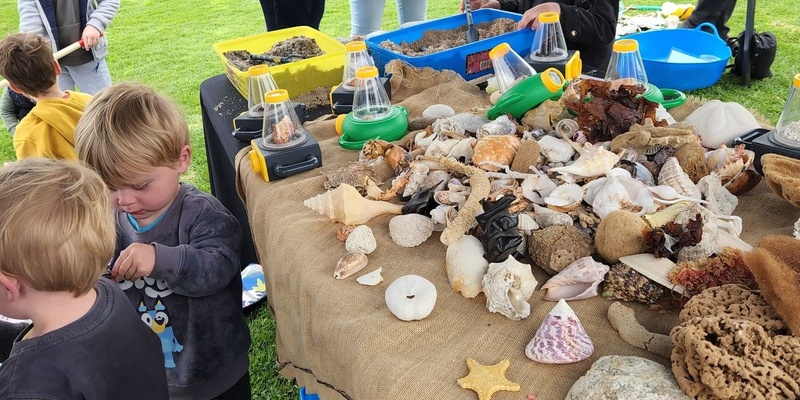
(296, 77)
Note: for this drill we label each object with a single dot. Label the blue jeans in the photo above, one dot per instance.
(89, 78)
(366, 15)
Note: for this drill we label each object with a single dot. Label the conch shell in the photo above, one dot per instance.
(345, 205)
(508, 286)
(594, 161)
(578, 281)
(493, 152)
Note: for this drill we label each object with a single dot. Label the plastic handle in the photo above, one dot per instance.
(310, 163)
(709, 25)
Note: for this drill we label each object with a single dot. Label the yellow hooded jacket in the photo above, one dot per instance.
(49, 129)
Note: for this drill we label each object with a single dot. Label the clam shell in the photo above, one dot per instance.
(438, 111)
(410, 230)
(594, 161)
(556, 150)
(565, 198)
(508, 286)
(526, 223)
(493, 152)
(349, 264)
(361, 240)
(672, 174)
(371, 279)
(561, 339)
(536, 187)
(578, 281)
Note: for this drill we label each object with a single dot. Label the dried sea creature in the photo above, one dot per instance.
(466, 266)
(508, 286)
(577, 281)
(486, 380)
(561, 339)
(649, 139)
(692, 159)
(361, 240)
(410, 230)
(396, 156)
(344, 204)
(623, 319)
(724, 268)
(349, 264)
(357, 175)
(495, 152)
(720, 122)
(410, 297)
(594, 161)
(372, 278)
(282, 131)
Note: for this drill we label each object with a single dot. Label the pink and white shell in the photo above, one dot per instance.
(561, 339)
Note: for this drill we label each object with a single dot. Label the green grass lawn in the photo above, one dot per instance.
(167, 45)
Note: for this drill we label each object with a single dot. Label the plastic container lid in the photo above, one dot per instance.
(356, 45)
(547, 17)
(366, 72)
(257, 70)
(509, 67)
(499, 50)
(796, 81)
(276, 96)
(626, 45)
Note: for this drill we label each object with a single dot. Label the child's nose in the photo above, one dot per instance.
(125, 197)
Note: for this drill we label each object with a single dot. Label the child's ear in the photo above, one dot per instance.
(57, 67)
(184, 159)
(9, 287)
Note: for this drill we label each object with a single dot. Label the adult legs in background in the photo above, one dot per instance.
(717, 12)
(366, 16)
(411, 10)
(90, 78)
(268, 8)
(291, 13)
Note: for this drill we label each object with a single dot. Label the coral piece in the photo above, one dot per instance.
(499, 235)
(555, 247)
(720, 200)
(349, 264)
(594, 161)
(357, 175)
(528, 155)
(649, 139)
(410, 230)
(466, 266)
(508, 286)
(494, 152)
(620, 234)
(361, 240)
(724, 268)
(561, 339)
(486, 380)
(544, 116)
(623, 319)
(410, 297)
(692, 159)
(727, 347)
(344, 204)
(372, 278)
(576, 282)
(666, 215)
(626, 377)
(606, 109)
(719, 123)
(624, 283)
(775, 263)
(780, 173)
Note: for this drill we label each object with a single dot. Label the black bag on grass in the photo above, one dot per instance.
(762, 53)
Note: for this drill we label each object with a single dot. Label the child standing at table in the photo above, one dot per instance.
(177, 255)
(85, 340)
(27, 62)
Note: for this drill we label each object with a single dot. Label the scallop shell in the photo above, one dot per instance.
(561, 339)
(410, 230)
(371, 279)
(594, 161)
(526, 223)
(672, 174)
(565, 198)
(536, 187)
(344, 204)
(556, 150)
(578, 281)
(508, 286)
(349, 264)
(494, 152)
(361, 240)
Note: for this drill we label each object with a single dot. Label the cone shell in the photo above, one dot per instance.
(345, 205)
(349, 265)
(494, 151)
(672, 174)
(561, 339)
(578, 281)
(508, 286)
(410, 230)
(565, 198)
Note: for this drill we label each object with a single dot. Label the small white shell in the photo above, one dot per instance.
(462, 151)
(594, 161)
(349, 264)
(416, 179)
(438, 111)
(565, 198)
(561, 339)
(410, 297)
(577, 281)
(371, 279)
(361, 240)
(536, 187)
(410, 230)
(526, 223)
(556, 150)
(545, 217)
(508, 286)
(440, 148)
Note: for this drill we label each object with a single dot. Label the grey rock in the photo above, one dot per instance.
(626, 378)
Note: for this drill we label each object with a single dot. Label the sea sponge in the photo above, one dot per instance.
(529, 154)
(780, 173)
(726, 347)
(620, 234)
(692, 158)
(724, 268)
(775, 263)
(555, 247)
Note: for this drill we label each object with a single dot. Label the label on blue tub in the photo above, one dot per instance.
(478, 62)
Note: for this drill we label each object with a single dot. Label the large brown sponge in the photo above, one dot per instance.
(780, 172)
(775, 263)
(620, 234)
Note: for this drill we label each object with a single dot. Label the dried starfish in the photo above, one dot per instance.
(485, 380)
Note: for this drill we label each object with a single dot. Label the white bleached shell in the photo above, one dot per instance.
(536, 187)
(720, 200)
(526, 223)
(508, 286)
(673, 175)
(719, 123)
(618, 191)
(417, 174)
(438, 111)
(361, 240)
(436, 179)
(666, 194)
(565, 198)
(349, 264)
(561, 339)
(577, 281)
(442, 215)
(466, 266)
(556, 150)
(371, 279)
(708, 243)
(440, 148)
(471, 122)
(593, 161)
(443, 127)
(410, 230)
(494, 97)
(410, 297)
(500, 126)
(626, 378)
(462, 151)
(545, 217)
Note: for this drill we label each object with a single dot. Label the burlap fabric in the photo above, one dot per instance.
(338, 339)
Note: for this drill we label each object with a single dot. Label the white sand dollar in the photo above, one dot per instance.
(411, 297)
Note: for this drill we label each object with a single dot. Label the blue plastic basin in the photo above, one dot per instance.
(470, 60)
(683, 59)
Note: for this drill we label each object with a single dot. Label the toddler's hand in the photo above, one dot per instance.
(90, 36)
(135, 262)
(531, 17)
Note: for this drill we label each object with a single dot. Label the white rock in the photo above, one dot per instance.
(438, 111)
(361, 240)
(626, 378)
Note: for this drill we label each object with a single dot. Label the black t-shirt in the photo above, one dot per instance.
(106, 354)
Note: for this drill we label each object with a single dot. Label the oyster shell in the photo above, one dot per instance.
(578, 281)
(508, 286)
(561, 339)
(494, 152)
(410, 230)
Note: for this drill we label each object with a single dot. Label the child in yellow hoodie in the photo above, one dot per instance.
(27, 62)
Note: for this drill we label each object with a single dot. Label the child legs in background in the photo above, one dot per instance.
(89, 78)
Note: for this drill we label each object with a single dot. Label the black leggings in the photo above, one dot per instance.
(280, 14)
(239, 391)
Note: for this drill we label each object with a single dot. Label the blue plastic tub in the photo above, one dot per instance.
(307, 396)
(683, 59)
(470, 60)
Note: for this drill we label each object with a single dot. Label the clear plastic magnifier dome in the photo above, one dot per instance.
(788, 129)
(626, 63)
(282, 127)
(370, 101)
(549, 43)
(356, 56)
(259, 83)
(509, 67)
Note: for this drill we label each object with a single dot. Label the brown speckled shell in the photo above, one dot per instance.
(624, 283)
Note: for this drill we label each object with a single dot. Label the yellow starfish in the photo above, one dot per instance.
(486, 380)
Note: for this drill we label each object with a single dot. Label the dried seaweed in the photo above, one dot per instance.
(668, 240)
(727, 267)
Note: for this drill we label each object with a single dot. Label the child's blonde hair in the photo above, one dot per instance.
(26, 61)
(57, 228)
(129, 128)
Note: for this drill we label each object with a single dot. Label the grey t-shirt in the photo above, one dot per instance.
(68, 18)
